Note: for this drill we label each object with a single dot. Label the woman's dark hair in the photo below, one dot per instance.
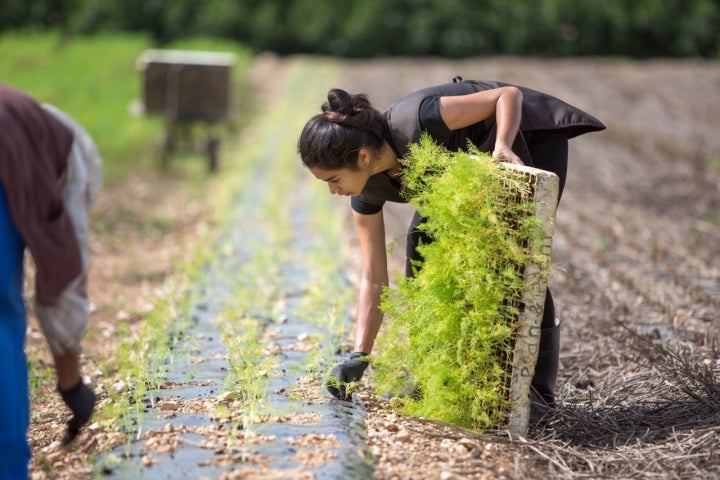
(331, 140)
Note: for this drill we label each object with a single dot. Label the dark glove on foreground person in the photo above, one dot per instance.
(351, 370)
(81, 401)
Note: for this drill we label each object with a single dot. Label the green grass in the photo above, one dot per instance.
(96, 80)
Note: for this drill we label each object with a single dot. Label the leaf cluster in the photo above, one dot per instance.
(446, 349)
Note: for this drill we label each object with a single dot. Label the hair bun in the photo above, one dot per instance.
(339, 101)
(348, 110)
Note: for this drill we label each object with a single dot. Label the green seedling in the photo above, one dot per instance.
(447, 344)
(603, 244)
(350, 387)
(714, 164)
(141, 361)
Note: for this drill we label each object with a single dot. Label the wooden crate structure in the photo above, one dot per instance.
(544, 194)
(188, 88)
(187, 85)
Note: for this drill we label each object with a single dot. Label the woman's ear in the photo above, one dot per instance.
(364, 157)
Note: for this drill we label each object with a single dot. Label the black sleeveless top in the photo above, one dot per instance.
(419, 112)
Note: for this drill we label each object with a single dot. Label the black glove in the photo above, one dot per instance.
(81, 401)
(351, 370)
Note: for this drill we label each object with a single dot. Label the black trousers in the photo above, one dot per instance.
(549, 151)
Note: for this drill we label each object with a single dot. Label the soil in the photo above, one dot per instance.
(636, 283)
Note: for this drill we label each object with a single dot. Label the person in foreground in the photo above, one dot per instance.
(357, 151)
(50, 174)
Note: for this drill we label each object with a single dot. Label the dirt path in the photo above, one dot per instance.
(637, 249)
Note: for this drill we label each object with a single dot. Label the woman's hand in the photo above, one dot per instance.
(342, 378)
(505, 154)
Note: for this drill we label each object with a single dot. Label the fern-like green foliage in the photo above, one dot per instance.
(446, 347)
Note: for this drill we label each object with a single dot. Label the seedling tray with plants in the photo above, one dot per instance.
(461, 336)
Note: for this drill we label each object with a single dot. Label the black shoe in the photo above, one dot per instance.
(540, 409)
(81, 400)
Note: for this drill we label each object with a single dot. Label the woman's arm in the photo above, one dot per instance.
(505, 103)
(374, 277)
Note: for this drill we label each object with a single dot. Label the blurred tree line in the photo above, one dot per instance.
(368, 28)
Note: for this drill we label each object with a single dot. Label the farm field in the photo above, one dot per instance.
(637, 268)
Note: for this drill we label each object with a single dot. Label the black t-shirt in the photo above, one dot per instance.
(383, 187)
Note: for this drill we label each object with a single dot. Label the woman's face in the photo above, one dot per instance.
(343, 181)
(347, 181)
